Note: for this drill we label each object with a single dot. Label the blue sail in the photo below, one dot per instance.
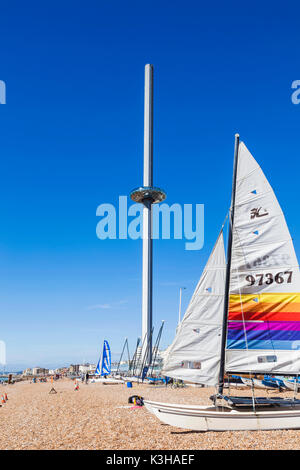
(104, 363)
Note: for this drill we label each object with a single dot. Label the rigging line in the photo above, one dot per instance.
(121, 357)
(128, 353)
(295, 386)
(133, 362)
(227, 214)
(146, 354)
(156, 346)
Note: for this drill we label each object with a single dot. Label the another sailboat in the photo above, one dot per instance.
(261, 384)
(103, 368)
(244, 316)
(292, 385)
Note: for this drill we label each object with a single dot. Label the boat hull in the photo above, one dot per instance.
(204, 418)
(261, 384)
(108, 381)
(291, 385)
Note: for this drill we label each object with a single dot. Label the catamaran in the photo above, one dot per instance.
(292, 385)
(261, 384)
(103, 368)
(244, 316)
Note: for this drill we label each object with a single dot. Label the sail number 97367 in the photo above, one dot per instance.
(269, 278)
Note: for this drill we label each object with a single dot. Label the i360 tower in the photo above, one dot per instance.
(147, 195)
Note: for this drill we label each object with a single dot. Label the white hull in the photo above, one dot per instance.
(257, 384)
(291, 385)
(133, 379)
(103, 381)
(204, 418)
(235, 385)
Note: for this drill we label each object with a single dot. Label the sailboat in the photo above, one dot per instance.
(292, 385)
(262, 384)
(103, 368)
(244, 316)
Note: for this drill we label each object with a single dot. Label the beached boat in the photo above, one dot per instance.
(103, 368)
(292, 385)
(106, 381)
(205, 418)
(261, 384)
(244, 316)
(131, 379)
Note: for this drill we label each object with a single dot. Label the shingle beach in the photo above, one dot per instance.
(99, 417)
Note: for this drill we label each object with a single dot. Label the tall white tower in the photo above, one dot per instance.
(147, 195)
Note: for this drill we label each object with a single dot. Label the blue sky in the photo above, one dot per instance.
(72, 138)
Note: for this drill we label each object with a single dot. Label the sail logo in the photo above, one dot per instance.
(295, 97)
(2, 92)
(256, 213)
(168, 222)
(273, 259)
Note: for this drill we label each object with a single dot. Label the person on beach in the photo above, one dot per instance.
(86, 377)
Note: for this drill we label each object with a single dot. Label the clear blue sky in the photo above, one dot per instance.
(72, 138)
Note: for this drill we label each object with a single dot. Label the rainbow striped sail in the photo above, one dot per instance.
(263, 330)
(258, 329)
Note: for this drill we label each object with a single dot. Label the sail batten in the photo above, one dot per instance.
(263, 329)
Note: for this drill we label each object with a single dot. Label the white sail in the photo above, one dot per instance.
(264, 309)
(195, 352)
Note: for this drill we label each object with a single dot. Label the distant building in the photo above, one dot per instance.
(74, 368)
(62, 370)
(40, 371)
(87, 368)
(27, 371)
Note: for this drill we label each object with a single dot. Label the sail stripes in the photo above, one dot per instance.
(263, 329)
(265, 307)
(266, 335)
(270, 321)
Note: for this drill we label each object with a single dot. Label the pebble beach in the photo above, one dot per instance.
(99, 417)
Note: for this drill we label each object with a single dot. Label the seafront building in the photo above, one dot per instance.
(74, 368)
(40, 371)
(87, 368)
